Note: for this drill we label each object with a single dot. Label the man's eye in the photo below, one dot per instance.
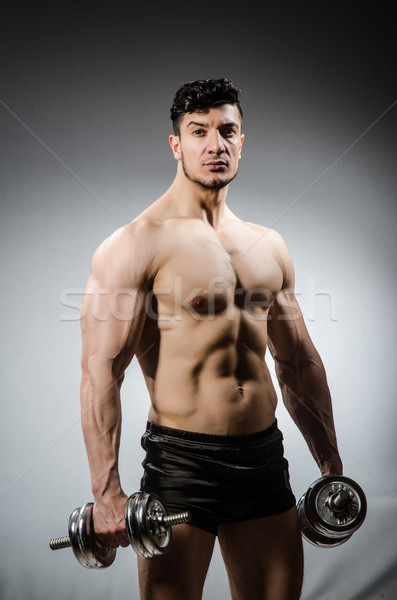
(229, 132)
(198, 132)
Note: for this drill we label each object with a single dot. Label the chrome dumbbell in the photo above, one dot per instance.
(332, 509)
(148, 528)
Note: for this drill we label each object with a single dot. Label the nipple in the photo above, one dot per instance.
(199, 301)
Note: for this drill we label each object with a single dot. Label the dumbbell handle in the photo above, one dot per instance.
(167, 521)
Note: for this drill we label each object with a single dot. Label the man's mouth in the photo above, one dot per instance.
(216, 165)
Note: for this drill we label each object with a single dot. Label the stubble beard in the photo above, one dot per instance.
(212, 185)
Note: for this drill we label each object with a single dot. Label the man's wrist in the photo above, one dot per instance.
(332, 466)
(107, 489)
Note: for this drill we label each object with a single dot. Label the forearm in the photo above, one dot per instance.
(307, 398)
(101, 424)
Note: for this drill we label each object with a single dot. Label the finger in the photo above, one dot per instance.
(114, 538)
(122, 537)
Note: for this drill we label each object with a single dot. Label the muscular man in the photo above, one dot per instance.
(197, 295)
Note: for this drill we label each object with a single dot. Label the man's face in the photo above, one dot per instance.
(209, 146)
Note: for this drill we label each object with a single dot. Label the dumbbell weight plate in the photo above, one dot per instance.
(316, 538)
(132, 525)
(321, 525)
(318, 500)
(86, 547)
(313, 535)
(157, 536)
(143, 516)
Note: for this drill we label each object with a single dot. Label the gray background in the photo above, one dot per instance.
(84, 124)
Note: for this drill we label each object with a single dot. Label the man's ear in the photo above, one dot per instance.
(175, 144)
(241, 144)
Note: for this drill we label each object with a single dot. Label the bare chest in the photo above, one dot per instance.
(204, 273)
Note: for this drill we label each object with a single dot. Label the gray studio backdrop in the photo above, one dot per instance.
(85, 121)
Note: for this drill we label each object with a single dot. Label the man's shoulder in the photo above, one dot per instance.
(130, 250)
(266, 234)
(138, 235)
(265, 239)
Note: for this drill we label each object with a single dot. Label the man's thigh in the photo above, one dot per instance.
(180, 573)
(264, 557)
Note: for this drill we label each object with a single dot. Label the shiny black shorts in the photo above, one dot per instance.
(220, 479)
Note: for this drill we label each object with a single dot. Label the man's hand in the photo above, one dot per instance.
(109, 521)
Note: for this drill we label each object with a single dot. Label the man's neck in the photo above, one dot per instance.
(197, 201)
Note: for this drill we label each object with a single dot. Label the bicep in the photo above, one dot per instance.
(111, 323)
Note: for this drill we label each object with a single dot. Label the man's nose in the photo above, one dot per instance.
(216, 142)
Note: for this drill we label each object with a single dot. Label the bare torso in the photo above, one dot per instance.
(203, 344)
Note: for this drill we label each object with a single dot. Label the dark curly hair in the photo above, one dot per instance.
(200, 96)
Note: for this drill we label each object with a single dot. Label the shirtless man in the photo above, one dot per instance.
(197, 295)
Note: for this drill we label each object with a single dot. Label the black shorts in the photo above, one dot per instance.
(220, 479)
